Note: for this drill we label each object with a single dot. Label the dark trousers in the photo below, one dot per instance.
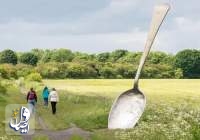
(53, 105)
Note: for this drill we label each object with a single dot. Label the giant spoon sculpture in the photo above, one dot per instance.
(129, 106)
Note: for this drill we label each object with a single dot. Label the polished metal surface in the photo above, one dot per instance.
(129, 106)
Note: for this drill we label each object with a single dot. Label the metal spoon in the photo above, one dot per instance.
(129, 106)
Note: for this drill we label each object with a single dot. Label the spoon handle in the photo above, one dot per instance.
(159, 14)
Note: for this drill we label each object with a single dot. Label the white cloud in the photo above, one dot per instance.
(24, 36)
(183, 35)
(108, 19)
(120, 6)
(186, 24)
(112, 27)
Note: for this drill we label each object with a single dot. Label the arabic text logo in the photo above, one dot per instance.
(20, 120)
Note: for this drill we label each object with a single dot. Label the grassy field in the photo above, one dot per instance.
(172, 111)
(11, 97)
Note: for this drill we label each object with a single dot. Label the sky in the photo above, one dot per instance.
(95, 26)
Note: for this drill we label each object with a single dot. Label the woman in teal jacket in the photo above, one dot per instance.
(45, 95)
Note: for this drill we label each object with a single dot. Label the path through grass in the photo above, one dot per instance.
(172, 111)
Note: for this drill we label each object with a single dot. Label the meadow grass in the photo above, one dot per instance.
(11, 97)
(40, 137)
(172, 110)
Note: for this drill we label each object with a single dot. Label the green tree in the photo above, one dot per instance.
(189, 62)
(131, 57)
(103, 57)
(125, 70)
(81, 56)
(38, 52)
(159, 57)
(46, 57)
(158, 71)
(8, 56)
(62, 55)
(117, 54)
(107, 72)
(28, 58)
(76, 70)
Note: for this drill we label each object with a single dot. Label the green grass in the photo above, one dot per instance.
(11, 97)
(172, 110)
(40, 137)
(86, 112)
(76, 137)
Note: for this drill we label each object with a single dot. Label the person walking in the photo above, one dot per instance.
(31, 100)
(45, 95)
(54, 98)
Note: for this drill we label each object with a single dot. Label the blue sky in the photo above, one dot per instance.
(96, 25)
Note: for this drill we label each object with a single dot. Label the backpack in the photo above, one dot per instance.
(31, 95)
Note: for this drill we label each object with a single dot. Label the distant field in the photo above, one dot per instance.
(112, 88)
(172, 111)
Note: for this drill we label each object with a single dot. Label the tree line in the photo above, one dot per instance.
(63, 63)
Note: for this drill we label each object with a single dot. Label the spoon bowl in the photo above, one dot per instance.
(127, 109)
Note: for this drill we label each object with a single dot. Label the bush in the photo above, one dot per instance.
(34, 77)
(24, 70)
(178, 73)
(125, 70)
(158, 71)
(50, 70)
(3, 73)
(2, 89)
(62, 63)
(76, 71)
(8, 71)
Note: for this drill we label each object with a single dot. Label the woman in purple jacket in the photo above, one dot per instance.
(31, 99)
